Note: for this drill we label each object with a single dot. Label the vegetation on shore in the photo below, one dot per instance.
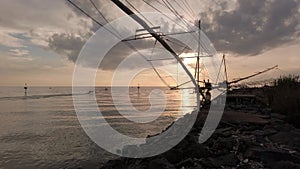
(284, 98)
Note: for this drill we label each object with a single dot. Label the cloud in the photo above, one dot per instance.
(19, 52)
(70, 46)
(10, 41)
(61, 43)
(145, 47)
(38, 20)
(244, 27)
(247, 27)
(66, 44)
(254, 26)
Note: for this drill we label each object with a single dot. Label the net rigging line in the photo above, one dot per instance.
(94, 5)
(100, 13)
(178, 17)
(171, 20)
(120, 38)
(139, 13)
(153, 67)
(169, 6)
(219, 72)
(186, 4)
(84, 12)
(172, 9)
(184, 10)
(185, 48)
(153, 49)
(152, 25)
(156, 9)
(174, 12)
(204, 47)
(150, 21)
(176, 43)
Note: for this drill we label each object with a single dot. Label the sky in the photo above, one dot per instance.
(41, 40)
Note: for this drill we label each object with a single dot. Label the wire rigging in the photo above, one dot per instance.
(184, 10)
(120, 38)
(94, 5)
(100, 13)
(180, 17)
(84, 12)
(168, 18)
(166, 4)
(186, 4)
(139, 12)
(201, 45)
(156, 9)
(169, 6)
(174, 12)
(153, 49)
(221, 65)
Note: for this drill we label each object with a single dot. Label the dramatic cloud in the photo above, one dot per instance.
(36, 21)
(30, 29)
(244, 27)
(146, 51)
(254, 26)
(67, 44)
(70, 46)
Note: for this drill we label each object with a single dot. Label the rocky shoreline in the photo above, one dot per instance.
(244, 140)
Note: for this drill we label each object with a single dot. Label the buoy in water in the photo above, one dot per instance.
(138, 88)
(25, 89)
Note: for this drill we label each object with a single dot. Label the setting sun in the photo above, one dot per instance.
(188, 59)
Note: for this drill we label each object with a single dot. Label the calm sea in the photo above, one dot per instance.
(41, 130)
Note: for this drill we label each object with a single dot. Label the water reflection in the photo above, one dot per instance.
(45, 133)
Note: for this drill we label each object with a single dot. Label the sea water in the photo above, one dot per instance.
(41, 130)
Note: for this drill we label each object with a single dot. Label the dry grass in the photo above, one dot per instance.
(284, 98)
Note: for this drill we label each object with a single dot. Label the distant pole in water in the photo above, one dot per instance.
(25, 89)
(138, 88)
